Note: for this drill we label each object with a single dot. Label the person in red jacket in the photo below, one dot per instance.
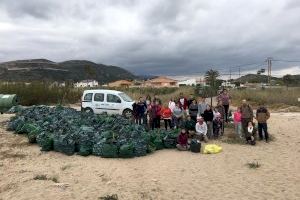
(183, 103)
(182, 140)
(166, 114)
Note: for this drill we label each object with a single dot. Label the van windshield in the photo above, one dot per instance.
(125, 97)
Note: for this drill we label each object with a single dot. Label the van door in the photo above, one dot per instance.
(86, 101)
(114, 104)
(99, 103)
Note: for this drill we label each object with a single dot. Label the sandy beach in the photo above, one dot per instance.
(165, 174)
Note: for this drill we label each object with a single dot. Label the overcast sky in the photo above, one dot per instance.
(154, 36)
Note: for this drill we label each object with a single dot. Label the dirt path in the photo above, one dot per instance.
(166, 174)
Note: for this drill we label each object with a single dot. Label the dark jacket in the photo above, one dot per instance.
(262, 115)
(141, 108)
(190, 125)
(208, 115)
(182, 139)
(193, 110)
(134, 110)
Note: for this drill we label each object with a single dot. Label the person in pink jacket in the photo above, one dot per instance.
(237, 119)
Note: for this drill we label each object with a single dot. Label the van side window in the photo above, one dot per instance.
(88, 97)
(113, 98)
(99, 97)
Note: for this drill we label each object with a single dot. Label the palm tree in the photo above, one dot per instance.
(211, 77)
(287, 80)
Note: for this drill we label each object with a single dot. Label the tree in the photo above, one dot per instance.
(287, 80)
(211, 77)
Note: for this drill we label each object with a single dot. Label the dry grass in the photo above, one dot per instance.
(44, 177)
(277, 98)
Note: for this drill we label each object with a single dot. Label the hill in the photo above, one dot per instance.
(74, 70)
(255, 78)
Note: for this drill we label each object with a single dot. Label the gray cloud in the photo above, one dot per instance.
(155, 37)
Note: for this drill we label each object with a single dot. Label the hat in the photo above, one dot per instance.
(199, 118)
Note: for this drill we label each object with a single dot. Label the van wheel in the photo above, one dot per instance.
(88, 110)
(127, 113)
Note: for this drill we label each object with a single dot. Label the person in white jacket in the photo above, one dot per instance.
(201, 129)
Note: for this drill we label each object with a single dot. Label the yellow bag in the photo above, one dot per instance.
(212, 149)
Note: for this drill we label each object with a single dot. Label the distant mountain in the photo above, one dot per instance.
(255, 78)
(74, 70)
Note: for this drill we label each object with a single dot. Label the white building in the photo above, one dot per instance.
(190, 80)
(187, 82)
(228, 84)
(86, 83)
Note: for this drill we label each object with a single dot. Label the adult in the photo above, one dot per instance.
(183, 104)
(220, 108)
(201, 130)
(202, 105)
(225, 98)
(157, 99)
(208, 117)
(172, 104)
(246, 115)
(166, 114)
(262, 116)
(141, 109)
(190, 100)
(189, 125)
(177, 116)
(135, 111)
(193, 110)
(155, 115)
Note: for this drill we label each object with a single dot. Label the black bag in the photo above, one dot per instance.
(195, 146)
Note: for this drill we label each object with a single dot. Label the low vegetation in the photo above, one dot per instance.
(253, 165)
(41, 93)
(44, 177)
(37, 93)
(274, 98)
(109, 197)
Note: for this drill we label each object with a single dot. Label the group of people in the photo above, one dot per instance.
(199, 120)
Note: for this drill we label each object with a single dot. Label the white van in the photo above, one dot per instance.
(106, 101)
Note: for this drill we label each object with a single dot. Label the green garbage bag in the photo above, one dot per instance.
(45, 141)
(64, 144)
(169, 143)
(158, 142)
(126, 151)
(105, 150)
(33, 134)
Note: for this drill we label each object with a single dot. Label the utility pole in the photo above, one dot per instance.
(239, 72)
(229, 73)
(269, 61)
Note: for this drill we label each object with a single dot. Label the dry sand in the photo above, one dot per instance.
(166, 174)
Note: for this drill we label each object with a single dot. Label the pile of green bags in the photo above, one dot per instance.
(69, 131)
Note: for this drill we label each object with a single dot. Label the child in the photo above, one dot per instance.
(250, 134)
(237, 118)
(190, 126)
(217, 125)
(167, 116)
(201, 130)
(208, 117)
(182, 140)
